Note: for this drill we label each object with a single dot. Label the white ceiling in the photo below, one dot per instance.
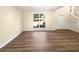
(34, 8)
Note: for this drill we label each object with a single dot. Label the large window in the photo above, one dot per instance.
(39, 20)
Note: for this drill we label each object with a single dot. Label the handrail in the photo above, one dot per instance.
(75, 16)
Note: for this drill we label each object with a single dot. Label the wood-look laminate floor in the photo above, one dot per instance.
(58, 40)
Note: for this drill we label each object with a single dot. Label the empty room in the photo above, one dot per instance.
(39, 28)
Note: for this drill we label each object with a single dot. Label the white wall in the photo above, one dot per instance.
(27, 20)
(73, 23)
(62, 21)
(52, 19)
(73, 20)
(10, 24)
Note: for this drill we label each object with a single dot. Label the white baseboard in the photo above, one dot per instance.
(10, 40)
(75, 30)
(75, 16)
(40, 30)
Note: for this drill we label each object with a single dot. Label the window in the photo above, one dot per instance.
(39, 20)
